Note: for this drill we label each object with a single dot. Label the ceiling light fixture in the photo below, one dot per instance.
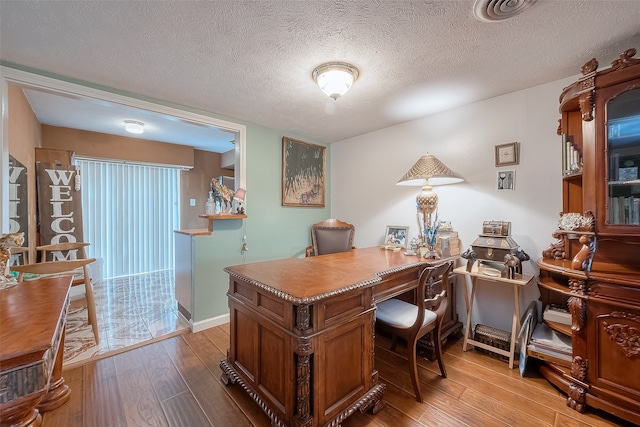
(335, 78)
(133, 126)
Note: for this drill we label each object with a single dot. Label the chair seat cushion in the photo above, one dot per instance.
(401, 314)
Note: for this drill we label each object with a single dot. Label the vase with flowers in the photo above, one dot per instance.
(431, 237)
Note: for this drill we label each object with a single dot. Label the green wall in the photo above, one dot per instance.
(273, 231)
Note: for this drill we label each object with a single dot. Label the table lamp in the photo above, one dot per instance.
(426, 172)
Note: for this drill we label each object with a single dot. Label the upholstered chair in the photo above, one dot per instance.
(331, 236)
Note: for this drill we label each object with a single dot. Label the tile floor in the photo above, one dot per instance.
(132, 311)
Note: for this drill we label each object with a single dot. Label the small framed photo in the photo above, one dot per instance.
(506, 180)
(396, 235)
(507, 154)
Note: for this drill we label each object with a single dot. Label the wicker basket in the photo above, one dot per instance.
(494, 337)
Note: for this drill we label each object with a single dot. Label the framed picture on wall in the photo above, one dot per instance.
(396, 235)
(507, 154)
(303, 173)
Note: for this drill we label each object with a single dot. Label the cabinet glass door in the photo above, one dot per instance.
(623, 150)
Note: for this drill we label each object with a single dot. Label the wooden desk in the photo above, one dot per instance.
(519, 281)
(302, 332)
(32, 323)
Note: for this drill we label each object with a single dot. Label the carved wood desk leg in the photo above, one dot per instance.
(304, 353)
(22, 412)
(59, 393)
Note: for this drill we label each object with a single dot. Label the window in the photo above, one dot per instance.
(129, 214)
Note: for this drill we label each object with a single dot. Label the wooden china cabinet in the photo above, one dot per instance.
(594, 267)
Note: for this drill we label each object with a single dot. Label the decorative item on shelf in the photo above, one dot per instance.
(571, 158)
(575, 222)
(8, 241)
(512, 265)
(223, 197)
(428, 171)
(210, 206)
(494, 243)
(471, 256)
(239, 197)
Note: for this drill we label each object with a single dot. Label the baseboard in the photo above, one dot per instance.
(209, 323)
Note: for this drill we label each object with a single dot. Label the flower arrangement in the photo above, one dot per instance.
(431, 231)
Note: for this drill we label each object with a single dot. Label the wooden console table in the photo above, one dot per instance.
(32, 329)
(302, 332)
(518, 281)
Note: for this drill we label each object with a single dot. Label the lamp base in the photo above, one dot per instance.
(429, 251)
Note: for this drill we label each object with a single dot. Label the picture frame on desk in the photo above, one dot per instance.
(507, 154)
(396, 235)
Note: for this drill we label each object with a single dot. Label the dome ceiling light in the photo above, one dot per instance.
(133, 126)
(335, 78)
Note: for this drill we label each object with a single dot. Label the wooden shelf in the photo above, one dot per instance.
(560, 327)
(213, 218)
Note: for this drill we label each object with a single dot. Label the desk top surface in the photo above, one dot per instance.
(314, 278)
(29, 317)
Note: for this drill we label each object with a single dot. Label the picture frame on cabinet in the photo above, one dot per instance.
(396, 235)
(507, 154)
(303, 173)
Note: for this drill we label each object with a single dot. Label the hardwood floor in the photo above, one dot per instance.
(176, 382)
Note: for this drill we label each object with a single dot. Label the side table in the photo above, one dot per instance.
(517, 282)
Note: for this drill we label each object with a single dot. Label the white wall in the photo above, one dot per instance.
(365, 170)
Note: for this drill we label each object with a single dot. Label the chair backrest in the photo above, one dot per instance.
(20, 254)
(62, 251)
(437, 302)
(53, 267)
(331, 236)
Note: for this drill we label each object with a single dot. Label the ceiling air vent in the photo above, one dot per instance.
(499, 10)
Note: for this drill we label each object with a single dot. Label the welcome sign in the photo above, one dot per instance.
(59, 203)
(18, 207)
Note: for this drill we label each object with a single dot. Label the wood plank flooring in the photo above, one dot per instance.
(176, 382)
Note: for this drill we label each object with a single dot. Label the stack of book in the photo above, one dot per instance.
(558, 314)
(549, 345)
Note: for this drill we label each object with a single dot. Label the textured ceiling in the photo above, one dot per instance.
(252, 60)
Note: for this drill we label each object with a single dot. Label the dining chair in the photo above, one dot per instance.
(57, 268)
(412, 321)
(62, 251)
(21, 255)
(331, 236)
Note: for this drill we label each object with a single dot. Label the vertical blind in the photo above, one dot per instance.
(129, 214)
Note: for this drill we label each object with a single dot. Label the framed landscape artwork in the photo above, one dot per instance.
(303, 173)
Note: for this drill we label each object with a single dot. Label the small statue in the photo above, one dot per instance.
(512, 263)
(8, 241)
(471, 256)
(522, 256)
(222, 195)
